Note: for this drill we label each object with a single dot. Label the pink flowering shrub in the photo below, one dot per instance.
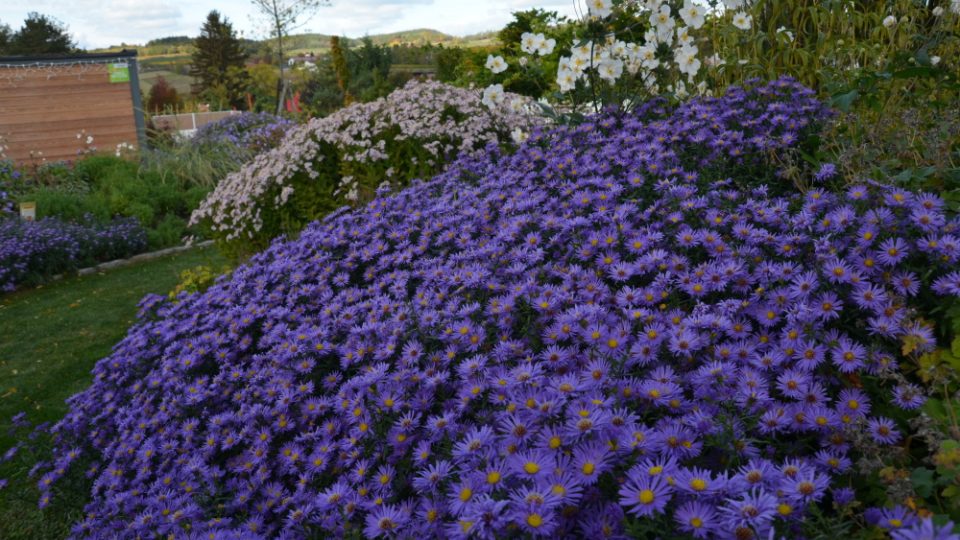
(344, 157)
(608, 332)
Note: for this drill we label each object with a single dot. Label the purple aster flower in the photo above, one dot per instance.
(853, 402)
(883, 430)
(826, 172)
(532, 464)
(906, 283)
(805, 487)
(857, 192)
(948, 284)
(753, 511)
(843, 496)
(891, 519)
(925, 529)
(848, 356)
(384, 521)
(696, 518)
(645, 495)
(892, 251)
(535, 519)
(909, 396)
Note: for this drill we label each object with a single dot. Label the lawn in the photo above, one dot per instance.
(50, 338)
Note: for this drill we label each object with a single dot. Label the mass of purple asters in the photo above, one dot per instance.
(31, 251)
(595, 329)
(249, 132)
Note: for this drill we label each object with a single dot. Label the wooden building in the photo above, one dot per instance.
(46, 102)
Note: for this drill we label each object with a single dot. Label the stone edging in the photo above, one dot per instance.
(120, 263)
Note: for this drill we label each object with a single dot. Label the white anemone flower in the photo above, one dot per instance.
(648, 55)
(610, 70)
(519, 136)
(566, 79)
(496, 64)
(662, 21)
(692, 14)
(493, 96)
(687, 61)
(582, 50)
(619, 49)
(546, 46)
(783, 30)
(600, 8)
(528, 42)
(889, 21)
(681, 90)
(742, 21)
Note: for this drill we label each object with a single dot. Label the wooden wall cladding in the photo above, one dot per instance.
(43, 108)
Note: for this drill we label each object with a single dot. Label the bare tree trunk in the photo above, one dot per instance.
(279, 28)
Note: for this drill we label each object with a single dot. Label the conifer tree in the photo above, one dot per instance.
(40, 34)
(218, 61)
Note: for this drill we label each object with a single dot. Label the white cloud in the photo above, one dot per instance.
(99, 23)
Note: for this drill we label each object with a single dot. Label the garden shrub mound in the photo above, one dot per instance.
(601, 331)
(409, 134)
(245, 134)
(32, 251)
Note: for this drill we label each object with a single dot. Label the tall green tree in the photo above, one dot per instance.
(218, 62)
(5, 35)
(340, 67)
(369, 70)
(40, 34)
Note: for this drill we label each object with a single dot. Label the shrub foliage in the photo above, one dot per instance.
(608, 329)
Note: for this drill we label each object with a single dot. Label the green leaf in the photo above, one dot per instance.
(922, 480)
(934, 408)
(955, 347)
(845, 101)
(914, 73)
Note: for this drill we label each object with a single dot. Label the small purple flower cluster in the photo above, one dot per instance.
(540, 344)
(7, 173)
(251, 133)
(31, 251)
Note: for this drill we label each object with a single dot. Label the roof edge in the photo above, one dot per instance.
(66, 58)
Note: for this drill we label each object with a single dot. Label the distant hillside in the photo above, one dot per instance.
(172, 40)
(317, 43)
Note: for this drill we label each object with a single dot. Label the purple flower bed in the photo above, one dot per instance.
(31, 251)
(606, 330)
(249, 132)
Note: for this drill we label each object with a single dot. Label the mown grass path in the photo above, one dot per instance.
(50, 339)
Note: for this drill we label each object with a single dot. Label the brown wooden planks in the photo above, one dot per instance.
(43, 108)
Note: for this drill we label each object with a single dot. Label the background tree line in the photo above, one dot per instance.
(39, 35)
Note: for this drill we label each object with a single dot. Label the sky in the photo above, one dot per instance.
(96, 24)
